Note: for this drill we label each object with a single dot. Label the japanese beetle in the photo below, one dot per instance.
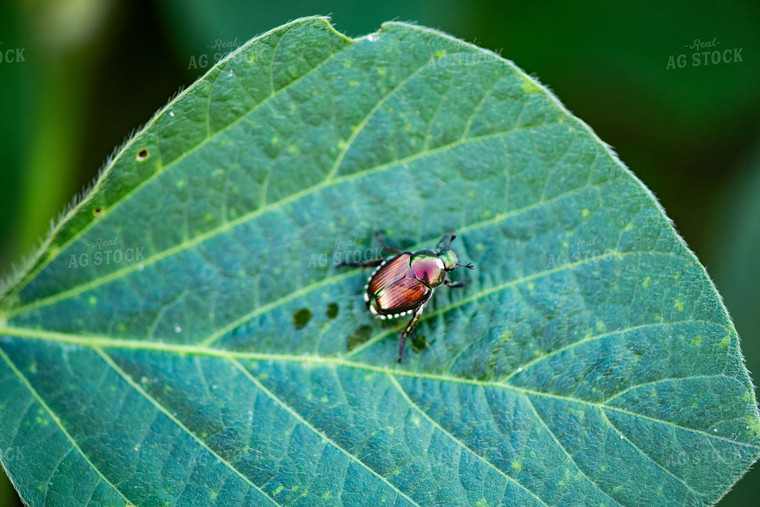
(402, 284)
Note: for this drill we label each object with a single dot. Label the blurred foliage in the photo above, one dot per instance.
(731, 260)
(95, 70)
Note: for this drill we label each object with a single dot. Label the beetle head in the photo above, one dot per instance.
(447, 255)
(450, 259)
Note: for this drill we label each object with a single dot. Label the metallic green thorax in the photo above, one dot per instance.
(449, 258)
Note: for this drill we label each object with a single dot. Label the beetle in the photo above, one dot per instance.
(402, 284)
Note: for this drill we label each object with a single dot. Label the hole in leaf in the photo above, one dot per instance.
(332, 310)
(361, 335)
(98, 211)
(301, 317)
(142, 154)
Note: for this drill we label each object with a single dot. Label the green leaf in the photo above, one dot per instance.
(184, 336)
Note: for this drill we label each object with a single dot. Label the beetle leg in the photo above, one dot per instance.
(365, 264)
(409, 329)
(385, 246)
(454, 285)
(445, 241)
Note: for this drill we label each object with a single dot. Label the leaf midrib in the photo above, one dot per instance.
(104, 343)
(390, 374)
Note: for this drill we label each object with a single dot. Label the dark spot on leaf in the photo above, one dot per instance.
(301, 317)
(419, 343)
(98, 211)
(142, 154)
(389, 323)
(361, 335)
(332, 310)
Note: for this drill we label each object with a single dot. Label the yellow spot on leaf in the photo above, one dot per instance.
(585, 213)
(645, 284)
(278, 489)
(678, 305)
(529, 86)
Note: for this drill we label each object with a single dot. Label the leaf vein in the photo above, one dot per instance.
(115, 204)
(58, 423)
(562, 447)
(315, 430)
(111, 363)
(461, 444)
(650, 458)
(213, 232)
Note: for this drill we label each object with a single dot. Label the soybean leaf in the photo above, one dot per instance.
(184, 336)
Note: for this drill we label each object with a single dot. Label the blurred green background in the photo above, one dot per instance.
(78, 76)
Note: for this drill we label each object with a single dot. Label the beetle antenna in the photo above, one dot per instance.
(468, 266)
